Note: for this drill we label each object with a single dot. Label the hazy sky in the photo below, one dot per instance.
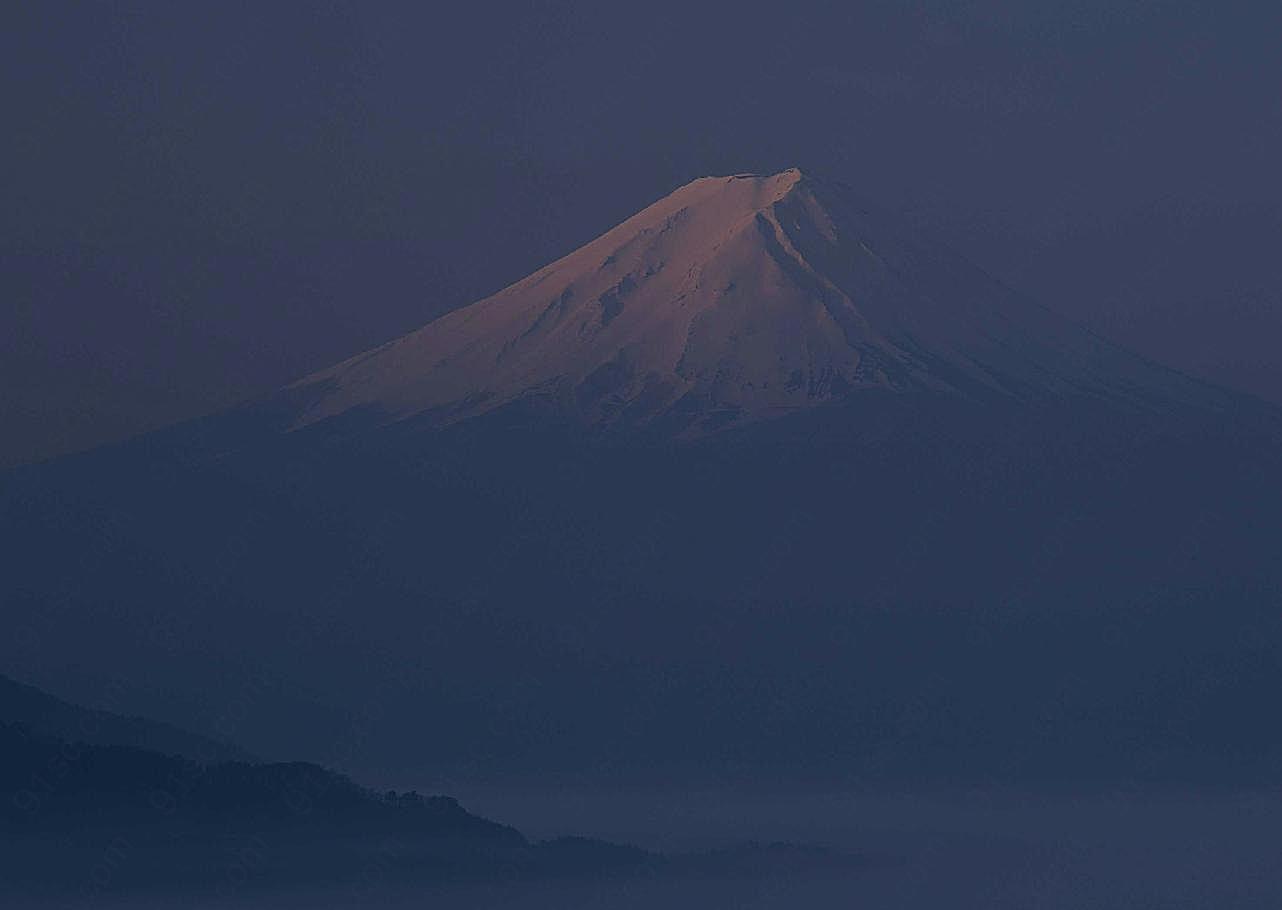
(203, 201)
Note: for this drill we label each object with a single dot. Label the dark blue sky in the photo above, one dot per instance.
(203, 201)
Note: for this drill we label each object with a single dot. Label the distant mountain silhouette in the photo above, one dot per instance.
(47, 716)
(756, 485)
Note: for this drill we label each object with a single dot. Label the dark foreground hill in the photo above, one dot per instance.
(86, 824)
(45, 715)
(51, 785)
(163, 821)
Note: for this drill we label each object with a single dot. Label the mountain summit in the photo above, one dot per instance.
(732, 299)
